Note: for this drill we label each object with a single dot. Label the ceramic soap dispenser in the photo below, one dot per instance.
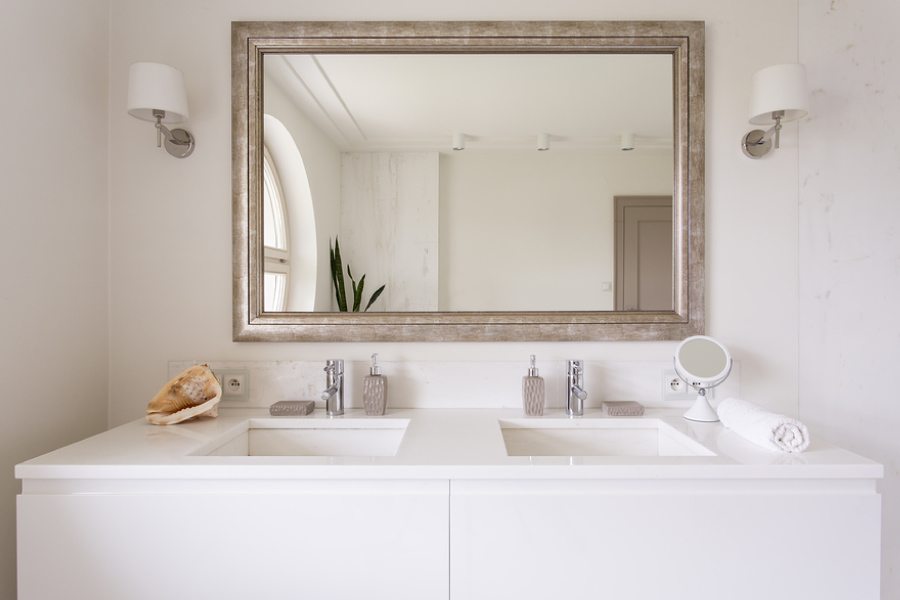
(375, 390)
(533, 392)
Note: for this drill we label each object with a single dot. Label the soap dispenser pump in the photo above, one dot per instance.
(533, 392)
(375, 390)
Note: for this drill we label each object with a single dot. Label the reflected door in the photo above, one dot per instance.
(644, 253)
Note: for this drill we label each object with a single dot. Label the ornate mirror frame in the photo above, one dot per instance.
(684, 40)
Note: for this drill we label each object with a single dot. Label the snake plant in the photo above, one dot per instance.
(337, 278)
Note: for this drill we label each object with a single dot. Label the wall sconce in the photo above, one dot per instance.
(777, 94)
(543, 142)
(156, 92)
(627, 142)
(459, 141)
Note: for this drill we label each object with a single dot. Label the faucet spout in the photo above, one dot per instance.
(575, 394)
(334, 393)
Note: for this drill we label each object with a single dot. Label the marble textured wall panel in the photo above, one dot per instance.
(389, 227)
(849, 240)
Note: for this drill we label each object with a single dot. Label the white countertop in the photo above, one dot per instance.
(438, 444)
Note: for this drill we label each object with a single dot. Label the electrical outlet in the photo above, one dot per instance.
(673, 386)
(235, 384)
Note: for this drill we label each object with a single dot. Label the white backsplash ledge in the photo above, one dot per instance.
(458, 384)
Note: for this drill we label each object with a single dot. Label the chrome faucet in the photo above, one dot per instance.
(334, 395)
(575, 393)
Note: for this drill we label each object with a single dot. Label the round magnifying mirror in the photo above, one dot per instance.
(702, 363)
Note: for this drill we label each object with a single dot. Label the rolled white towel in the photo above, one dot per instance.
(763, 428)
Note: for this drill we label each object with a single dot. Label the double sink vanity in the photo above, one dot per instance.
(445, 503)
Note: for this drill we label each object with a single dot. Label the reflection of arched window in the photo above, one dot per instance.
(290, 265)
(276, 240)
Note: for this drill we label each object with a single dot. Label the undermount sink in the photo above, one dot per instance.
(316, 437)
(596, 437)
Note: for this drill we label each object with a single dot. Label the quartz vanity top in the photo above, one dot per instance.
(437, 444)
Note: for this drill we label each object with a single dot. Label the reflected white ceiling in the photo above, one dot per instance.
(500, 101)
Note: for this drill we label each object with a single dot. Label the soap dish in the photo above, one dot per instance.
(292, 408)
(628, 408)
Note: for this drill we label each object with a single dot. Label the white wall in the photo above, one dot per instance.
(850, 240)
(535, 231)
(53, 236)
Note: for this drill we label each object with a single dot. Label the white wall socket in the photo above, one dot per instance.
(673, 386)
(235, 384)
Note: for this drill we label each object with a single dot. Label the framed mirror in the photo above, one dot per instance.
(476, 170)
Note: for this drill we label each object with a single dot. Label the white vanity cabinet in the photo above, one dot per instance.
(697, 540)
(143, 512)
(318, 540)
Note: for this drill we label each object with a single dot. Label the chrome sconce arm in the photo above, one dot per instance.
(179, 143)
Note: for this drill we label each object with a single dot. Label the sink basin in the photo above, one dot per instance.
(315, 437)
(596, 437)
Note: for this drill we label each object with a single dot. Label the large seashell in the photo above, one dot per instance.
(194, 393)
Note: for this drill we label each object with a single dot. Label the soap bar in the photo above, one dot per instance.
(623, 409)
(292, 408)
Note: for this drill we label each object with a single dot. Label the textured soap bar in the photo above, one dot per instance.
(292, 408)
(623, 409)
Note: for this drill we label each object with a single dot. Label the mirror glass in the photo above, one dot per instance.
(702, 359)
(490, 181)
(504, 223)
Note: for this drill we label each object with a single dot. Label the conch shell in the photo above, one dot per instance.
(194, 393)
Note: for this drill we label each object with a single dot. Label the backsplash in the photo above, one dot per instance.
(441, 384)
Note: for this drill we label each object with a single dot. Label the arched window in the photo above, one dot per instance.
(276, 240)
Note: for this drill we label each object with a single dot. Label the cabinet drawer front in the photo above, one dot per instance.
(651, 546)
(322, 545)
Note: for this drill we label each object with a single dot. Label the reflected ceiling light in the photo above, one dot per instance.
(459, 141)
(543, 142)
(777, 94)
(627, 142)
(156, 92)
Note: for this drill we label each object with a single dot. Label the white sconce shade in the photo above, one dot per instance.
(459, 141)
(778, 88)
(157, 86)
(156, 92)
(777, 94)
(543, 142)
(627, 142)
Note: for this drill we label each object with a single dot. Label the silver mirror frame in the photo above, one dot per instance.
(684, 40)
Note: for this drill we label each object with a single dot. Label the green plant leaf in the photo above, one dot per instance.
(352, 281)
(357, 294)
(374, 297)
(338, 273)
(334, 282)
